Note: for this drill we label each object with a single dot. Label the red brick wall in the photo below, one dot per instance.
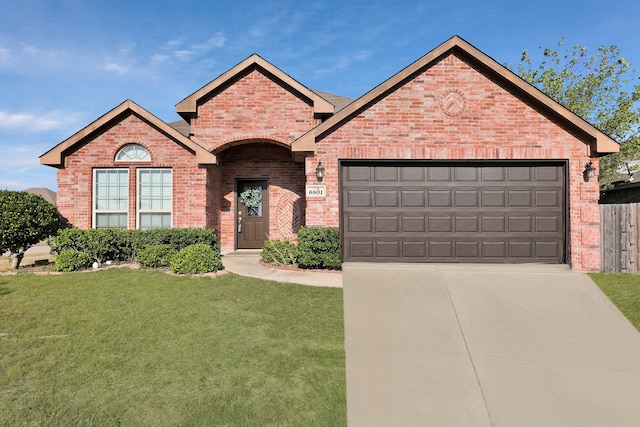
(286, 188)
(189, 181)
(411, 123)
(254, 107)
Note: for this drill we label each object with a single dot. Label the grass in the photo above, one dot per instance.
(623, 290)
(144, 348)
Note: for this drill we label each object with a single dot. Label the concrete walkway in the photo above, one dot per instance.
(247, 264)
(486, 345)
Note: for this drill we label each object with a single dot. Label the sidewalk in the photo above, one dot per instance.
(248, 264)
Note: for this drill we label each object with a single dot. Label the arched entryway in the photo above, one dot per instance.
(266, 171)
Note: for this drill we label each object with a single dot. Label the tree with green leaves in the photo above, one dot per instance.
(600, 87)
(25, 220)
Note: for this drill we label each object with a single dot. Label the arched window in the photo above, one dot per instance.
(133, 153)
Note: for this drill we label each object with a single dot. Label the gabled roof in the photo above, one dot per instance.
(49, 195)
(188, 107)
(55, 156)
(599, 142)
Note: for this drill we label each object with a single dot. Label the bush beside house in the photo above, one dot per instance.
(151, 248)
(317, 248)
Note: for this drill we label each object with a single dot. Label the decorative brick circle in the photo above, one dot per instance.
(452, 103)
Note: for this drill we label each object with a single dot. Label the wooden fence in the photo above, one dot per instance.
(619, 237)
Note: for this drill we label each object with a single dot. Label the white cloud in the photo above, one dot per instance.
(182, 51)
(116, 68)
(11, 185)
(54, 120)
(344, 61)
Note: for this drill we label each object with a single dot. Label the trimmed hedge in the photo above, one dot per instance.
(196, 259)
(317, 248)
(72, 260)
(117, 244)
(155, 256)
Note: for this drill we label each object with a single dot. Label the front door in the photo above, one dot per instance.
(252, 214)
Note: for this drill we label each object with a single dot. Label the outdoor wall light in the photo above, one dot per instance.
(319, 171)
(589, 170)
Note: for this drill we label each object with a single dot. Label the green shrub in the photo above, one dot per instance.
(178, 238)
(101, 244)
(319, 247)
(123, 245)
(25, 220)
(279, 252)
(196, 259)
(72, 260)
(154, 256)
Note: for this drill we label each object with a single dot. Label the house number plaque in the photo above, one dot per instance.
(316, 191)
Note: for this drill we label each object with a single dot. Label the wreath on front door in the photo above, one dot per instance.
(251, 198)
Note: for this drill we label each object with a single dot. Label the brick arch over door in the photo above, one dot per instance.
(286, 183)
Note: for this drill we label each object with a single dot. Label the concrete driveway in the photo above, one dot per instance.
(486, 345)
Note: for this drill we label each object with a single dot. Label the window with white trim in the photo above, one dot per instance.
(133, 153)
(154, 198)
(110, 198)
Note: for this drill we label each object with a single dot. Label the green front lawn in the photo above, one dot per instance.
(122, 347)
(624, 291)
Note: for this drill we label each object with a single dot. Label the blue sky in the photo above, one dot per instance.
(64, 63)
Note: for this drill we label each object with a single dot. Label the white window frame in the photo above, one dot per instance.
(94, 202)
(138, 149)
(139, 210)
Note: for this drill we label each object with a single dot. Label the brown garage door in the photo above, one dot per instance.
(453, 212)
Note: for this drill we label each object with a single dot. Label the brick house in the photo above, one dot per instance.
(453, 159)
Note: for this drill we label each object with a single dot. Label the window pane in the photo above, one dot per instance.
(109, 220)
(155, 220)
(154, 198)
(133, 153)
(112, 189)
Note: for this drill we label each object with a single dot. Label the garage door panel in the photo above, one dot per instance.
(385, 173)
(496, 251)
(519, 173)
(439, 198)
(388, 249)
(466, 198)
(412, 198)
(469, 250)
(494, 224)
(519, 198)
(465, 173)
(466, 224)
(548, 224)
(415, 174)
(359, 199)
(550, 250)
(490, 173)
(440, 224)
(441, 250)
(548, 198)
(548, 173)
(360, 224)
(386, 198)
(414, 224)
(387, 224)
(454, 213)
(493, 198)
(439, 174)
(520, 224)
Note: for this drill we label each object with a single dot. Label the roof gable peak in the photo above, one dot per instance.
(55, 156)
(600, 143)
(188, 107)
